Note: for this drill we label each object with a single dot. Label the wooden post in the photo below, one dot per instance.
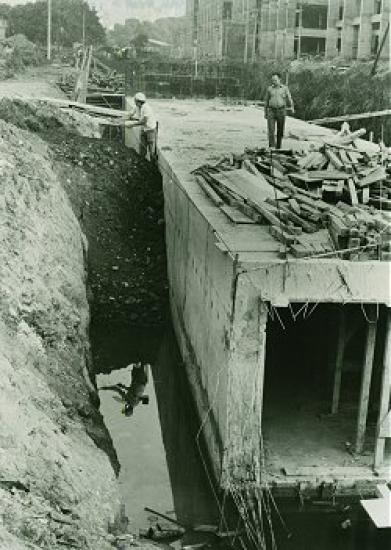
(366, 381)
(49, 32)
(385, 394)
(339, 360)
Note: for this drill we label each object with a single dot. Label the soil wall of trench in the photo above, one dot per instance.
(82, 266)
(57, 464)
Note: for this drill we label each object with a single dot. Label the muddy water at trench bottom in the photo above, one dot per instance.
(162, 468)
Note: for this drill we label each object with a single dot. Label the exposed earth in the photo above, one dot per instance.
(81, 238)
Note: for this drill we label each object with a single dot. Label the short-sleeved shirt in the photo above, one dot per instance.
(146, 114)
(278, 97)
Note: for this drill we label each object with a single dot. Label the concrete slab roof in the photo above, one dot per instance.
(192, 133)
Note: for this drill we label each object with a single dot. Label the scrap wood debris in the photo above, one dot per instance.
(101, 79)
(334, 201)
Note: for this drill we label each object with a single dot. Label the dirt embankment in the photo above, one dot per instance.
(57, 464)
(56, 486)
(118, 199)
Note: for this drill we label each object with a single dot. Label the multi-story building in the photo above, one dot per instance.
(220, 29)
(358, 28)
(278, 29)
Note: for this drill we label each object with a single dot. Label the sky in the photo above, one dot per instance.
(116, 11)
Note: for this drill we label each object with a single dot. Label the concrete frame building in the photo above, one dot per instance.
(221, 29)
(288, 29)
(358, 28)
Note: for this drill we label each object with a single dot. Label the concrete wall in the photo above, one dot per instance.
(200, 288)
(220, 334)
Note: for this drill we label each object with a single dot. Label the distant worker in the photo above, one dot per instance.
(144, 116)
(132, 395)
(278, 101)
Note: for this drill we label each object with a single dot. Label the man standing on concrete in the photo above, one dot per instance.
(143, 116)
(277, 101)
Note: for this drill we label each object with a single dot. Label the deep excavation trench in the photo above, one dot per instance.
(118, 199)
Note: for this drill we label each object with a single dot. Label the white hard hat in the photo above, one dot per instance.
(140, 97)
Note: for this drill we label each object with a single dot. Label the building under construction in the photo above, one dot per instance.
(286, 29)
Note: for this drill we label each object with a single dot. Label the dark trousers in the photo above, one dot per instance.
(148, 143)
(275, 117)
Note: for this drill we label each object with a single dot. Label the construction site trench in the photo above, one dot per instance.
(83, 295)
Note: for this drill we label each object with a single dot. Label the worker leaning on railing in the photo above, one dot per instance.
(143, 115)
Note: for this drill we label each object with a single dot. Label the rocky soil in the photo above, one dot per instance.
(118, 199)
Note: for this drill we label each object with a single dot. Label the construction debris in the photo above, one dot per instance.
(334, 201)
(102, 79)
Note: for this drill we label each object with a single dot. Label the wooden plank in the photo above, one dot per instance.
(365, 195)
(347, 118)
(384, 395)
(248, 186)
(235, 215)
(103, 111)
(354, 472)
(379, 510)
(339, 360)
(281, 235)
(293, 217)
(209, 191)
(345, 159)
(366, 379)
(295, 206)
(377, 174)
(249, 166)
(333, 158)
(382, 491)
(352, 192)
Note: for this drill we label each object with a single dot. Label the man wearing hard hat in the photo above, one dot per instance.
(143, 116)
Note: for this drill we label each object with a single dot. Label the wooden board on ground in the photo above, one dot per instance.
(379, 510)
(235, 215)
(100, 111)
(250, 187)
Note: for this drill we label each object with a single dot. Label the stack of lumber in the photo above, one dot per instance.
(331, 202)
(100, 80)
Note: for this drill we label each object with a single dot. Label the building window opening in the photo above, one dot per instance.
(378, 7)
(340, 12)
(227, 11)
(298, 18)
(313, 45)
(339, 45)
(356, 32)
(374, 44)
(314, 17)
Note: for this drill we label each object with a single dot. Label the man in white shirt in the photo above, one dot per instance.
(143, 115)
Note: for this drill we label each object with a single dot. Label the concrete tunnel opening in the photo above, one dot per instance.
(313, 390)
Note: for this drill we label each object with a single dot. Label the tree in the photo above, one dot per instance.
(140, 41)
(31, 20)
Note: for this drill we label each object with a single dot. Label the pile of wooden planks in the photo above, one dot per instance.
(329, 202)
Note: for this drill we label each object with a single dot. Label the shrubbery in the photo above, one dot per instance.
(324, 89)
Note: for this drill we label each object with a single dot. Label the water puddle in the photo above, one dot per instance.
(162, 469)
